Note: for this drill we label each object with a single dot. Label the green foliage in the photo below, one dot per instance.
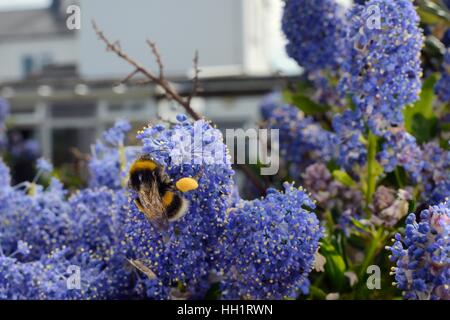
(344, 178)
(431, 12)
(335, 265)
(420, 119)
(304, 103)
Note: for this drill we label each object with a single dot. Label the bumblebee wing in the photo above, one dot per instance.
(153, 213)
(139, 265)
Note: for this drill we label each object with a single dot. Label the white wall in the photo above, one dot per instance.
(178, 27)
(231, 36)
(61, 50)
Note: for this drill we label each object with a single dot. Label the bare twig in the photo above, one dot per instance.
(158, 58)
(167, 88)
(195, 85)
(115, 48)
(128, 77)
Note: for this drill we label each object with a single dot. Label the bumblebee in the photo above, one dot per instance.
(158, 198)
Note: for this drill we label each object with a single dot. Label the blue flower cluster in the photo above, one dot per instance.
(383, 69)
(423, 255)
(427, 165)
(46, 234)
(442, 87)
(188, 258)
(110, 158)
(302, 140)
(184, 257)
(349, 128)
(436, 173)
(270, 246)
(401, 149)
(314, 30)
(315, 33)
(4, 111)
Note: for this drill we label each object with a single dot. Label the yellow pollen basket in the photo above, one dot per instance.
(186, 184)
(167, 199)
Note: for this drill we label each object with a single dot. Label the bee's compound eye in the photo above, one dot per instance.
(186, 184)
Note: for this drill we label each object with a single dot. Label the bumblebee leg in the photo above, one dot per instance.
(138, 204)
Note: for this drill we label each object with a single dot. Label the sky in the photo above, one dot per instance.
(28, 4)
(23, 4)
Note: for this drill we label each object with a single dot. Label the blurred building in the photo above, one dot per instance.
(63, 85)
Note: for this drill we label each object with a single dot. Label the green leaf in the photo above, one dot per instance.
(432, 13)
(213, 292)
(308, 106)
(445, 127)
(316, 292)
(358, 224)
(344, 178)
(374, 169)
(420, 120)
(335, 265)
(424, 129)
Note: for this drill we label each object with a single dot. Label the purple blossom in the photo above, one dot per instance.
(422, 255)
(115, 136)
(314, 30)
(442, 87)
(401, 149)
(270, 246)
(383, 69)
(44, 165)
(185, 255)
(349, 128)
(301, 139)
(110, 158)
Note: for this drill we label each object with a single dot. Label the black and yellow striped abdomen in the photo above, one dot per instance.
(157, 197)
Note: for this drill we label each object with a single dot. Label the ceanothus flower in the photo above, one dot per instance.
(442, 87)
(24, 280)
(110, 158)
(401, 149)
(422, 255)
(270, 246)
(43, 234)
(5, 178)
(37, 216)
(314, 30)
(383, 67)
(301, 139)
(116, 135)
(4, 112)
(183, 257)
(95, 213)
(349, 128)
(329, 193)
(44, 166)
(436, 173)
(49, 278)
(315, 33)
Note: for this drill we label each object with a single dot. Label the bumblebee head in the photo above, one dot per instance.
(143, 172)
